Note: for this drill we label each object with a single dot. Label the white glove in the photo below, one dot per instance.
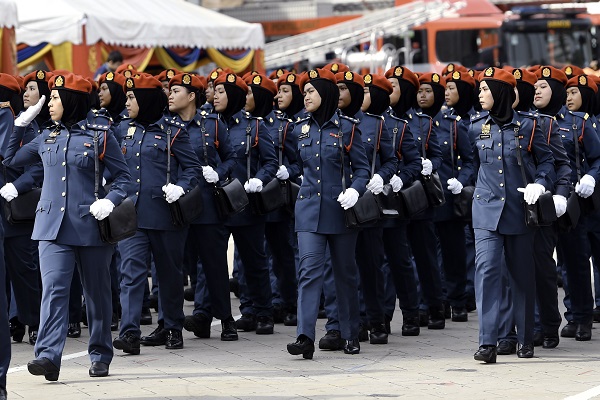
(375, 185)
(9, 192)
(560, 204)
(101, 208)
(427, 166)
(103, 181)
(348, 198)
(172, 192)
(301, 179)
(28, 115)
(532, 192)
(282, 173)
(210, 175)
(586, 186)
(454, 186)
(396, 183)
(253, 185)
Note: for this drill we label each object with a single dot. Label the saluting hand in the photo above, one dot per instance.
(28, 115)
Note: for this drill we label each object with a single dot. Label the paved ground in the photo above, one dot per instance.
(436, 364)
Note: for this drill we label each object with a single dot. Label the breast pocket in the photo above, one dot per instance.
(482, 195)
(84, 157)
(49, 154)
(332, 150)
(158, 150)
(305, 148)
(514, 153)
(486, 150)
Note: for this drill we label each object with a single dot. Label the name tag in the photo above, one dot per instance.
(303, 135)
(50, 140)
(484, 136)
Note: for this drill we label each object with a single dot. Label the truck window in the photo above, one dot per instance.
(463, 46)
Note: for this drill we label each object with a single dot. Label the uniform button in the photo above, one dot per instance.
(155, 145)
(64, 149)
(477, 196)
(499, 158)
(369, 139)
(63, 194)
(458, 168)
(499, 171)
(318, 194)
(85, 153)
(502, 185)
(302, 144)
(318, 181)
(301, 197)
(64, 163)
(63, 178)
(62, 209)
(137, 154)
(137, 193)
(140, 142)
(318, 142)
(502, 199)
(48, 148)
(317, 155)
(335, 143)
(138, 181)
(499, 144)
(318, 168)
(137, 167)
(445, 142)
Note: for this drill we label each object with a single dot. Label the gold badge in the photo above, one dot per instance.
(186, 79)
(435, 78)
(517, 74)
(279, 72)
(313, 74)
(305, 128)
(129, 83)
(348, 76)
(456, 75)
(546, 72)
(485, 129)
(569, 71)
(335, 68)
(489, 71)
(256, 80)
(450, 67)
(130, 131)
(471, 72)
(291, 78)
(60, 81)
(231, 78)
(398, 71)
(582, 80)
(110, 76)
(368, 79)
(170, 73)
(214, 75)
(41, 75)
(127, 73)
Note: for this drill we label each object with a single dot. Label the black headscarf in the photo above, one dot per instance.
(438, 100)
(476, 104)
(263, 101)
(380, 100)
(236, 99)
(117, 100)
(75, 106)
(408, 98)
(466, 97)
(504, 96)
(559, 96)
(357, 95)
(44, 114)
(526, 94)
(597, 103)
(297, 103)
(587, 99)
(152, 103)
(15, 99)
(330, 94)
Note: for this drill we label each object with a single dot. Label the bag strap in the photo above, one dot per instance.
(453, 138)
(169, 144)
(96, 166)
(425, 141)
(281, 138)
(520, 156)
(376, 148)
(248, 149)
(341, 143)
(202, 135)
(576, 141)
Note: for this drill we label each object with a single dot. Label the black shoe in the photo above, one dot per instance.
(43, 366)
(363, 333)
(290, 319)
(74, 330)
(278, 313)
(583, 332)
(331, 341)
(447, 313)
(264, 325)
(388, 324)
(471, 305)
(33, 332)
(525, 351)
(174, 339)
(246, 323)
(569, 330)
(189, 294)
(459, 314)
(410, 326)
(322, 314)
(17, 330)
(114, 322)
(98, 369)
(378, 334)
(158, 337)
(84, 319)
(506, 347)
(153, 302)
(129, 343)
(437, 320)
(198, 324)
(3, 394)
(303, 345)
(146, 317)
(228, 330)
(551, 341)
(423, 317)
(487, 354)
(352, 346)
(538, 339)
(234, 287)
(597, 314)
(559, 280)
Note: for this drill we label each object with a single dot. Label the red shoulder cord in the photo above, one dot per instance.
(379, 135)
(351, 139)
(284, 135)
(173, 140)
(101, 156)
(256, 138)
(550, 130)
(531, 138)
(455, 135)
(217, 133)
(580, 138)
(400, 143)
(429, 134)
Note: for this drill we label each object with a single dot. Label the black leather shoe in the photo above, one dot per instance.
(423, 318)
(278, 313)
(158, 337)
(538, 339)
(146, 317)
(189, 294)
(487, 354)
(459, 314)
(264, 325)
(550, 341)
(3, 394)
(303, 345)
(525, 351)
(153, 302)
(129, 343)
(583, 332)
(234, 287)
(471, 305)
(597, 314)
(114, 322)
(290, 318)
(174, 339)
(363, 333)
(352, 346)
(410, 326)
(228, 330)
(17, 330)
(322, 314)
(388, 324)
(569, 330)
(378, 334)
(506, 347)
(331, 341)
(43, 366)
(246, 323)
(74, 330)
(437, 320)
(198, 324)
(33, 332)
(98, 369)
(447, 312)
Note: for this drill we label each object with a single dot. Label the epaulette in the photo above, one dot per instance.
(580, 114)
(205, 114)
(173, 120)
(421, 115)
(478, 117)
(299, 120)
(374, 115)
(527, 114)
(451, 116)
(353, 120)
(98, 120)
(4, 104)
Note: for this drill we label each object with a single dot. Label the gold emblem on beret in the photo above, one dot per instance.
(456, 75)
(312, 74)
(582, 80)
(279, 72)
(568, 70)
(170, 73)
(489, 72)
(186, 79)
(291, 78)
(368, 79)
(129, 83)
(41, 75)
(348, 76)
(305, 128)
(231, 78)
(472, 72)
(214, 75)
(517, 74)
(450, 67)
(256, 80)
(110, 76)
(60, 81)
(127, 73)
(335, 68)
(435, 78)
(398, 71)
(546, 72)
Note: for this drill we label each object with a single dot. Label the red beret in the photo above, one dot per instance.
(141, 81)
(93, 83)
(432, 78)
(572, 70)
(203, 80)
(547, 72)
(232, 80)
(463, 76)
(38, 75)
(497, 74)
(167, 74)
(214, 74)
(336, 67)
(582, 81)
(534, 68)
(112, 77)
(75, 83)
(10, 82)
(261, 81)
(378, 80)
(522, 75)
(350, 77)
(289, 78)
(21, 81)
(400, 72)
(188, 81)
(127, 70)
(315, 75)
(595, 79)
(451, 67)
(474, 73)
(277, 73)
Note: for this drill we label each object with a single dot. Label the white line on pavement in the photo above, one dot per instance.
(588, 394)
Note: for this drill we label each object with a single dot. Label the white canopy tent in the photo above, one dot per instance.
(8, 16)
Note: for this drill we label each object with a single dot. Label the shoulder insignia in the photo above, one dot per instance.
(4, 104)
(342, 116)
(458, 118)
(586, 116)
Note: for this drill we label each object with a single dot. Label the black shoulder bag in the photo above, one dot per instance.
(589, 204)
(21, 209)
(432, 183)
(463, 201)
(387, 199)
(121, 223)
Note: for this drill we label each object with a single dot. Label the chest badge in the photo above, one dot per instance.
(485, 129)
(130, 132)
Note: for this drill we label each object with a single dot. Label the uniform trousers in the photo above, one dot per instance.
(546, 288)
(491, 247)
(57, 263)
(451, 236)
(167, 251)
(4, 330)
(369, 257)
(23, 272)
(312, 247)
(278, 237)
(329, 295)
